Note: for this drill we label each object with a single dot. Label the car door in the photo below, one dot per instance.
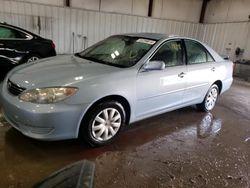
(12, 44)
(160, 90)
(200, 68)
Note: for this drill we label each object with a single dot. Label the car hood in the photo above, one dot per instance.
(59, 71)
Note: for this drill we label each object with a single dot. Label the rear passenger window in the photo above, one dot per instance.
(196, 53)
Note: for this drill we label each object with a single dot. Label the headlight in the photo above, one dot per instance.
(47, 95)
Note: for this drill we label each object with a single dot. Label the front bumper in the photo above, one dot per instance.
(57, 121)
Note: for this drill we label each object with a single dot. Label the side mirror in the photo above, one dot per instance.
(154, 65)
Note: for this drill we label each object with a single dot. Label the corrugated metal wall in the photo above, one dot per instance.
(60, 24)
(68, 26)
(226, 37)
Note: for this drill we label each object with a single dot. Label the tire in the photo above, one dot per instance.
(210, 99)
(102, 124)
(31, 58)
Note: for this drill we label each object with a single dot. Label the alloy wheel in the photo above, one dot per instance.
(211, 99)
(106, 124)
(33, 58)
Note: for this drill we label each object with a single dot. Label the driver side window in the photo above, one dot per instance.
(170, 53)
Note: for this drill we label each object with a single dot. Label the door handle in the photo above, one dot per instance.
(213, 69)
(1, 44)
(181, 75)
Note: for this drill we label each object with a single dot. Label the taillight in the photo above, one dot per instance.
(53, 45)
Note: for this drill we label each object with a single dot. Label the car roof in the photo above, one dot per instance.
(159, 36)
(154, 36)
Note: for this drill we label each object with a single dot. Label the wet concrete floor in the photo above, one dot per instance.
(183, 148)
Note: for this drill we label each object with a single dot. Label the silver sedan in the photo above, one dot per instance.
(120, 80)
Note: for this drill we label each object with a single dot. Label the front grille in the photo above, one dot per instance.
(14, 89)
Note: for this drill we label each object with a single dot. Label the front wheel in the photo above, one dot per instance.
(103, 123)
(210, 99)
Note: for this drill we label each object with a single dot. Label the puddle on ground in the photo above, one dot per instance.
(209, 126)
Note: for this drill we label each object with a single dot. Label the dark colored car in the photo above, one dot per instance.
(19, 46)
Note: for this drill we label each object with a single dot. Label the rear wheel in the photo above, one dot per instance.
(32, 57)
(210, 99)
(103, 123)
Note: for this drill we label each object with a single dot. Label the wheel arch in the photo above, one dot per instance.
(219, 84)
(124, 102)
(31, 54)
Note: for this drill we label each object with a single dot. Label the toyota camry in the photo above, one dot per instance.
(120, 80)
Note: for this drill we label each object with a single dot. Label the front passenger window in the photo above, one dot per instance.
(170, 53)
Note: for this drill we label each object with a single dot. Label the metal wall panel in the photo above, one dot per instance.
(68, 27)
(73, 29)
(226, 37)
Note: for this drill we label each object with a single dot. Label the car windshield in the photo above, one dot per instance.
(120, 51)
